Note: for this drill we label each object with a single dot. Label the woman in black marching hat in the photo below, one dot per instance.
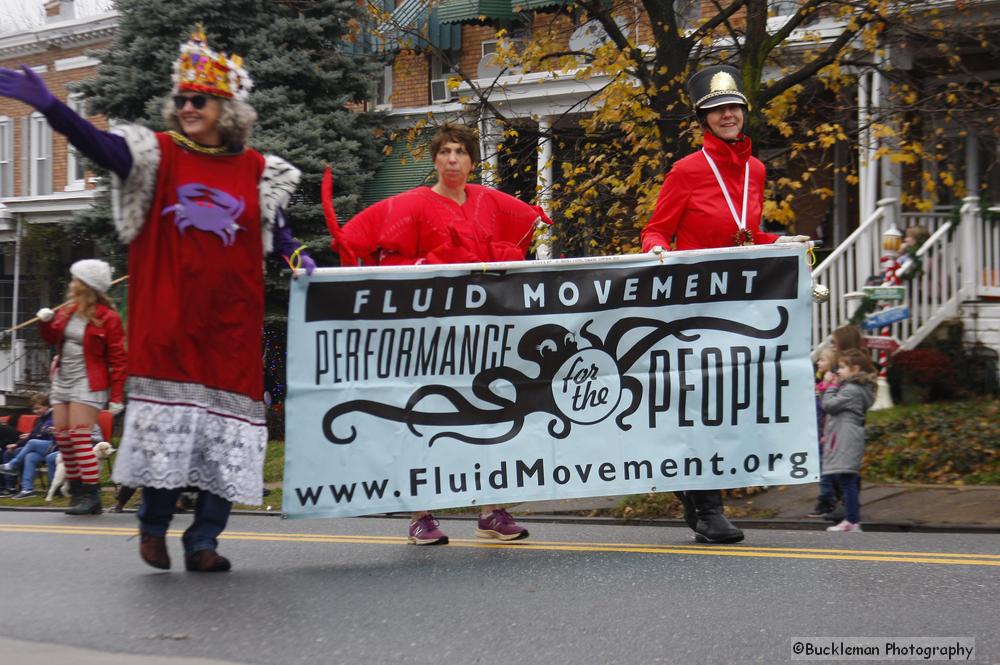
(712, 198)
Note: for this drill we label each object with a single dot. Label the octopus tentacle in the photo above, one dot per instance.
(675, 328)
(634, 386)
(560, 434)
(516, 426)
(594, 340)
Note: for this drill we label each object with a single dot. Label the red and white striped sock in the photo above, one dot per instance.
(68, 453)
(86, 460)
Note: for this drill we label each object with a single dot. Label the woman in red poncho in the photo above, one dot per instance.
(453, 221)
(712, 198)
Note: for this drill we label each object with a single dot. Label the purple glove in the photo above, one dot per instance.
(285, 245)
(27, 87)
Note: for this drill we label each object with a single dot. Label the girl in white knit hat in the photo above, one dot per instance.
(89, 372)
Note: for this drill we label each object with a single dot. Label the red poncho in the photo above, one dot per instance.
(421, 226)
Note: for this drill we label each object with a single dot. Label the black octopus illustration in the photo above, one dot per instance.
(548, 346)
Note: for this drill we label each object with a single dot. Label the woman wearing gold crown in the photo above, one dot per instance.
(199, 211)
(712, 198)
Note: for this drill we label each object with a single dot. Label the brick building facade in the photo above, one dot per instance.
(42, 180)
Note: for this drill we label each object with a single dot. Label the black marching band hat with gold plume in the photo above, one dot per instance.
(714, 86)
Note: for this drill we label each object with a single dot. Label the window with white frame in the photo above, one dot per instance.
(383, 88)
(75, 173)
(39, 155)
(688, 12)
(782, 7)
(6, 156)
(441, 71)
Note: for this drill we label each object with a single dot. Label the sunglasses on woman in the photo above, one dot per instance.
(197, 101)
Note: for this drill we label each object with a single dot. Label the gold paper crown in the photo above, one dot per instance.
(200, 69)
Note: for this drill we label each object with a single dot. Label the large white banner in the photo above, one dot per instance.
(441, 386)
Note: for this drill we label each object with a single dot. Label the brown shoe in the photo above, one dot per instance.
(206, 561)
(153, 550)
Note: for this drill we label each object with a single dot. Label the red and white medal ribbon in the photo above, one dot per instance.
(741, 220)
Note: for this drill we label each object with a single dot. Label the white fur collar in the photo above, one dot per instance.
(131, 198)
(277, 183)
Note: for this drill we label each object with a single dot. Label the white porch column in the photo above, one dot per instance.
(544, 171)
(970, 265)
(543, 184)
(866, 202)
(870, 183)
(15, 347)
(972, 164)
(489, 170)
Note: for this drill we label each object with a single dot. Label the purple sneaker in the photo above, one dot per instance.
(499, 524)
(425, 531)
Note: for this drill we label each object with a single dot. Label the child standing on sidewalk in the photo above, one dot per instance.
(846, 401)
(826, 365)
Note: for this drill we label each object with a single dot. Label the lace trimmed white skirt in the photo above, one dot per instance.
(180, 434)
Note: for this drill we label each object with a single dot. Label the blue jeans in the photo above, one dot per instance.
(828, 490)
(850, 485)
(30, 455)
(211, 512)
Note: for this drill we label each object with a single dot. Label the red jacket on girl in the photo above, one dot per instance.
(103, 347)
(693, 208)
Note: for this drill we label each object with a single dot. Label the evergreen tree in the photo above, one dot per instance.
(308, 72)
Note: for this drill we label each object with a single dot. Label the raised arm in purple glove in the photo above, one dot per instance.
(108, 150)
(285, 245)
(25, 86)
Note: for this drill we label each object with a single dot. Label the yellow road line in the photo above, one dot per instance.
(939, 558)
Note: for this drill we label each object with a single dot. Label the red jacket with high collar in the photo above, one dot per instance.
(103, 348)
(691, 205)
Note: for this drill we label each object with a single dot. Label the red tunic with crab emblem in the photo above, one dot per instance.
(196, 307)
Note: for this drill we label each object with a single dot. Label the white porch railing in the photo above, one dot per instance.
(958, 264)
(10, 361)
(23, 363)
(846, 269)
(934, 295)
(987, 244)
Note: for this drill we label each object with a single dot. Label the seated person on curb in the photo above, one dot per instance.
(31, 448)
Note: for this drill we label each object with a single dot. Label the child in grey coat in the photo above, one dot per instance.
(846, 401)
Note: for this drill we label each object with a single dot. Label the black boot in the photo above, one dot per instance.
(122, 497)
(75, 495)
(712, 525)
(690, 514)
(90, 501)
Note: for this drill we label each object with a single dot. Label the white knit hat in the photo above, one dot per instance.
(94, 273)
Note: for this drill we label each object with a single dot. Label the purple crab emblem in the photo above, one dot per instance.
(207, 209)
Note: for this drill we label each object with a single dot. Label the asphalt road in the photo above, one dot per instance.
(352, 591)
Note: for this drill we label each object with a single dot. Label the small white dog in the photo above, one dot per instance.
(102, 450)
